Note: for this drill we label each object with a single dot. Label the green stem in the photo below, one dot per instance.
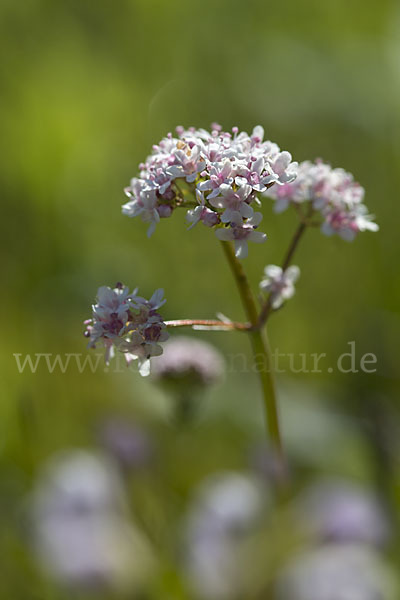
(261, 350)
(293, 245)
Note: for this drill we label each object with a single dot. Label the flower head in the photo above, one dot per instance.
(223, 171)
(279, 283)
(185, 370)
(332, 193)
(128, 323)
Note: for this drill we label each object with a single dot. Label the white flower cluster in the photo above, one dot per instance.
(223, 171)
(129, 323)
(332, 192)
(279, 283)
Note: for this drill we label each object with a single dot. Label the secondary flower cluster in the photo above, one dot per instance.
(128, 323)
(279, 283)
(331, 192)
(223, 171)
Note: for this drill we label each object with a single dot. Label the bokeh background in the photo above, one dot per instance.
(86, 89)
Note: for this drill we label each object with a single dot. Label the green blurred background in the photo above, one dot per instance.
(86, 89)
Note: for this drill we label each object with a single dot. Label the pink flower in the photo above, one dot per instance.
(126, 322)
(241, 233)
(223, 170)
(332, 193)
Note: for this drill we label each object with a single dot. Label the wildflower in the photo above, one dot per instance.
(241, 232)
(332, 193)
(223, 170)
(145, 204)
(202, 213)
(219, 174)
(128, 323)
(280, 284)
(234, 202)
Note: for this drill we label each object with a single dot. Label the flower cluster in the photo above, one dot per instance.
(331, 192)
(216, 175)
(128, 323)
(279, 283)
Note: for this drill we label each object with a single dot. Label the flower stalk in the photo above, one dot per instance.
(209, 324)
(261, 350)
(220, 177)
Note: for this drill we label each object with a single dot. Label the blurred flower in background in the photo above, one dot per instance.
(226, 511)
(337, 572)
(340, 511)
(83, 534)
(189, 358)
(130, 444)
(187, 367)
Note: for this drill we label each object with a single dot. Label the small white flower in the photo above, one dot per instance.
(219, 173)
(242, 232)
(280, 284)
(201, 213)
(144, 204)
(233, 202)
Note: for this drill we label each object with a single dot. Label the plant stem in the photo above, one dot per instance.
(293, 245)
(209, 324)
(261, 351)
